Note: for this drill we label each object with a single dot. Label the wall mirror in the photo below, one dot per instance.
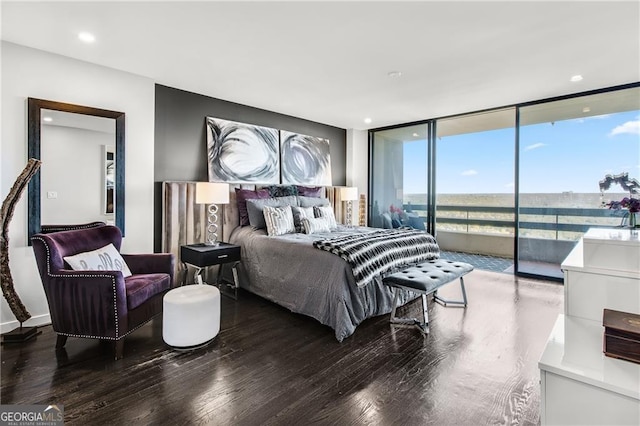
(81, 179)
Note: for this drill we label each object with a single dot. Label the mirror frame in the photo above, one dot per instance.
(35, 107)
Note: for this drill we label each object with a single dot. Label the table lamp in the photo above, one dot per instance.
(212, 193)
(348, 194)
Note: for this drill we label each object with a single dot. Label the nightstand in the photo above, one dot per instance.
(202, 256)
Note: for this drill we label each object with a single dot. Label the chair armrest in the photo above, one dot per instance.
(75, 297)
(152, 263)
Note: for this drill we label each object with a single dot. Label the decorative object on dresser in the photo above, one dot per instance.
(100, 303)
(212, 193)
(630, 204)
(348, 194)
(621, 335)
(304, 159)
(202, 255)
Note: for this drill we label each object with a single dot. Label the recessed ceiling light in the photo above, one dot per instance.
(586, 109)
(86, 37)
(368, 120)
(47, 119)
(415, 135)
(394, 74)
(575, 78)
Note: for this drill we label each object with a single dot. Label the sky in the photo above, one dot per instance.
(570, 155)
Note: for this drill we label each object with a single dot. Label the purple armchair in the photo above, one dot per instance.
(99, 304)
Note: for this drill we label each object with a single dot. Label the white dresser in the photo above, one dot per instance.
(579, 384)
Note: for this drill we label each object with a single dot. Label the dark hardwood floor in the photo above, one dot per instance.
(270, 366)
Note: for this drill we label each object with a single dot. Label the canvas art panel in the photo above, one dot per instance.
(305, 160)
(242, 153)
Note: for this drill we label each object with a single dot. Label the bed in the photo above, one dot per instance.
(290, 271)
(287, 269)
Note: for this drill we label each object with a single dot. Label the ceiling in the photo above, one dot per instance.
(329, 61)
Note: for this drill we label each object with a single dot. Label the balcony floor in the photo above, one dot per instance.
(503, 264)
(480, 261)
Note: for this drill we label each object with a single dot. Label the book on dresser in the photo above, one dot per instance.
(621, 335)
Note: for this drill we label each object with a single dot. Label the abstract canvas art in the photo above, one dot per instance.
(242, 153)
(305, 160)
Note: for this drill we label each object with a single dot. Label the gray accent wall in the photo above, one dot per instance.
(180, 149)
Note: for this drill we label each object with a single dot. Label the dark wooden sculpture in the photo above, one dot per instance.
(6, 280)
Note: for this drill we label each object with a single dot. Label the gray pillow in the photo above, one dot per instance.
(300, 213)
(312, 201)
(255, 208)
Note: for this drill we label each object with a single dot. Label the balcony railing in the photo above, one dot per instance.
(544, 222)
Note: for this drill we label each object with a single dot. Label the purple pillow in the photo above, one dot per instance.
(242, 195)
(310, 191)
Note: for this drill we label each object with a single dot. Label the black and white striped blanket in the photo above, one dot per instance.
(375, 253)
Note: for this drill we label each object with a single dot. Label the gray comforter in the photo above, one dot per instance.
(289, 271)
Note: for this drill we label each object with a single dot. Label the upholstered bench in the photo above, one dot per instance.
(426, 278)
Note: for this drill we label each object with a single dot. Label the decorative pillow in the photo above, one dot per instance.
(105, 258)
(279, 220)
(310, 191)
(314, 225)
(304, 201)
(327, 213)
(386, 221)
(242, 195)
(282, 190)
(255, 208)
(300, 213)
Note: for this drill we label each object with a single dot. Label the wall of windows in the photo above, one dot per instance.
(566, 148)
(519, 182)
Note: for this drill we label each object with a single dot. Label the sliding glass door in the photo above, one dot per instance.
(566, 148)
(400, 177)
(474, 183)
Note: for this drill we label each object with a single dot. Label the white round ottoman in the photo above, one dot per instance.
(190, 316)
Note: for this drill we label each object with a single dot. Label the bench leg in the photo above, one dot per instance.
(445, 302)
(422, 325)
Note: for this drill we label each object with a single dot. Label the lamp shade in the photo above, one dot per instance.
(212, 193)
(348, 193)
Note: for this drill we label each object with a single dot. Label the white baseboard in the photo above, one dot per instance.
(31, 322)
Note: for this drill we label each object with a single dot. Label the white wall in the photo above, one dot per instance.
(358, 164)
(32, 73)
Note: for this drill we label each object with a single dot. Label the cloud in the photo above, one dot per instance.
(469, 173)
(535, 146)
(510, 185)
(631, 127)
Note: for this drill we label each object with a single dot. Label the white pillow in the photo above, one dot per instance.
(106, 258)
(315, 225)
(326, 212)
(300, 213)
(279, 220)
